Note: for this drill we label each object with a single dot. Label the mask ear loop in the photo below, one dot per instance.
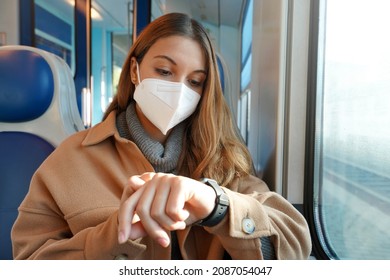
(138, 78)
(138, 74)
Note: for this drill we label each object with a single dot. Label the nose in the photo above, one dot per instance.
(180, 79)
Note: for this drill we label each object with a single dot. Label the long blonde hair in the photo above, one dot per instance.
(212, 146)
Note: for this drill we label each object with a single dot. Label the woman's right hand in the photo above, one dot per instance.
(155, 203)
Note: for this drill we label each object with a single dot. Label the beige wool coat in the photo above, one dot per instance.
(70, 211)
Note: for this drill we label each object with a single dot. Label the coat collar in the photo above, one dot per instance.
(102, 131)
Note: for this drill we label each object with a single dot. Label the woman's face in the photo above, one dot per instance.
(175, 59)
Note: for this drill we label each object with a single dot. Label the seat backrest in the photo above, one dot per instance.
(38, 110)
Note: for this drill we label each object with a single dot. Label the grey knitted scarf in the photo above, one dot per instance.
(164, 158)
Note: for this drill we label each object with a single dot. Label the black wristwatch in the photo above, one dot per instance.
(221, 205)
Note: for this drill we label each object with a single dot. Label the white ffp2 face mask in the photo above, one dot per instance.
(165, 103)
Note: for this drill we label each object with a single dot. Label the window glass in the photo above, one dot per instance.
(246, 71)
(111, 41)
(58, 36)
(246, 46)
(352, 165)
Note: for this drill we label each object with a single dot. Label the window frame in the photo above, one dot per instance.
(312, 125)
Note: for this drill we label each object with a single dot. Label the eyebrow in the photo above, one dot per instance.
(174, 63)
(167, 58)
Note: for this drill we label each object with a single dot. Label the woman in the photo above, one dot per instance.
(143, 183)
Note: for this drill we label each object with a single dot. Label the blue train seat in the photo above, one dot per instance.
(38, 110)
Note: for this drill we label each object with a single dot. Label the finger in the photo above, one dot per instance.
(175, 205)
(158, 208)
(143, 209)
(137, 231)
(190, 199)
(126, 214)
(164, 185)
(135, 182)
(147, 176)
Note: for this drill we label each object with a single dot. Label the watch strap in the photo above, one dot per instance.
(220, 208)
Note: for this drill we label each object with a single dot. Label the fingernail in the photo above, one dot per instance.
(163, 242)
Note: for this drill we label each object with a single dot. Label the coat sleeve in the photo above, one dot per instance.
(254, 213)
(42, 232)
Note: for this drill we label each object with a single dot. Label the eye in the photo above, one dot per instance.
(195, 83)
(163, 72)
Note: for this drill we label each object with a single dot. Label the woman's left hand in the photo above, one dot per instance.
(155, 203)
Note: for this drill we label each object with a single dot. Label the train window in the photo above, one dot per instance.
(352, 139)
(246, 71)
(112, 33)
(58, 36)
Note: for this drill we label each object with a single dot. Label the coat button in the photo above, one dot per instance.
(121, 257)
(248, 226)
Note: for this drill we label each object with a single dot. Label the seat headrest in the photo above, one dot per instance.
(26, 85)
